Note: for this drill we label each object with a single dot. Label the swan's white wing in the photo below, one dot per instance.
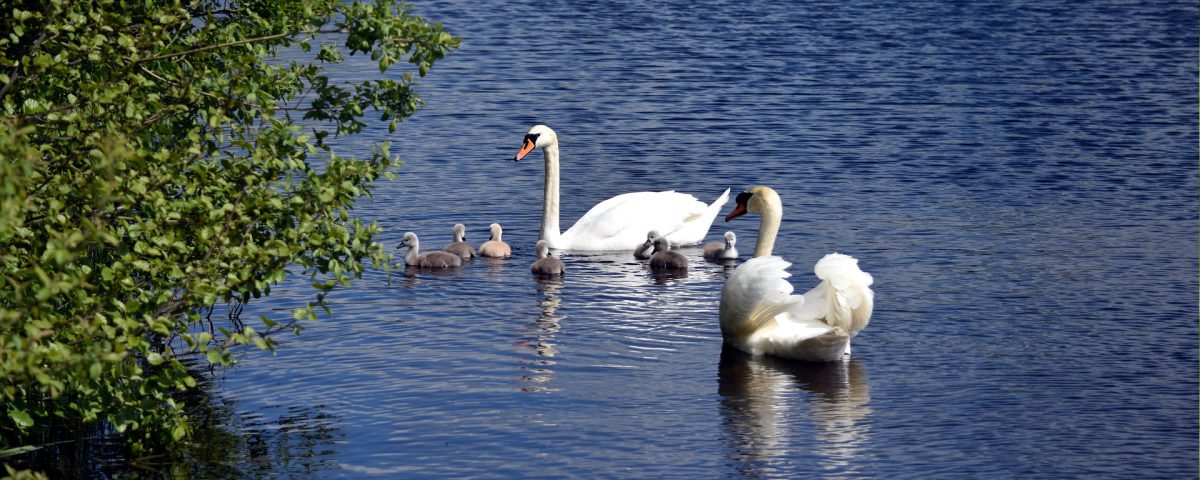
(755, 293)
(760, 315)
(621, 222)
(845, 292)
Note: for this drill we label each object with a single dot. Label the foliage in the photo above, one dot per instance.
(151, 167)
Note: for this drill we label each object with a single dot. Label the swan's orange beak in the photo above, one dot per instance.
(525, 149)
(738, 211)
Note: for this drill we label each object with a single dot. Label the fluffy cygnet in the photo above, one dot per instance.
(722, 250)
(435, 259)
(545, 264)
(460, 246)
(665, 259)
(646, 249)
(495, 247)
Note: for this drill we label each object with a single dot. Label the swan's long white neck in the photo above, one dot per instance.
(768, 227)
(549, 231)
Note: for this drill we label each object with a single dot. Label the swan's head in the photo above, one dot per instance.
(410, 240)
(460, 232)
(496, 231)
(543, 249)
(730, 239)
(756, 199)
(540, 136)
(661, 244)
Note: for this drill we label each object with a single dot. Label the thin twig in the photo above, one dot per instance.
(223, 45)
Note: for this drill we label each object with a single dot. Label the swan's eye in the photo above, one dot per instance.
(532, 138)
(743, 198)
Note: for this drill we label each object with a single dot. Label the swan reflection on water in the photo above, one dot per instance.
(759, 404)
(538, 336)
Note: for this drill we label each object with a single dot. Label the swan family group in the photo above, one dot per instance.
(759, 314)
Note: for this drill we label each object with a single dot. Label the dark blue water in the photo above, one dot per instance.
(1019, 177)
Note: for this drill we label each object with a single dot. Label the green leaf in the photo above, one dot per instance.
(21, 418)
(147, 176)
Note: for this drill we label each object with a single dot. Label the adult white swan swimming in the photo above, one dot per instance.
(759, 314)
(621, 222)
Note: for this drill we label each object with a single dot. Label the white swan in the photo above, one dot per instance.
(759, 314)
(621, 222)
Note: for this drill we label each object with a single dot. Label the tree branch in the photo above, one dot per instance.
(15, 73)
(223, 45)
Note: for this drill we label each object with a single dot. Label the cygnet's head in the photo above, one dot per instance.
(496, 231)
(409, 240)
(661, 244)
(730, 239)
(460, 232)
(543, 249)
(540, 136)
(651, 237)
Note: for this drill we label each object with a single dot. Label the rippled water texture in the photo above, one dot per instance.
(1019, 177)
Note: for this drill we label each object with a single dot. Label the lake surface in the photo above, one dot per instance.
(1020, 178)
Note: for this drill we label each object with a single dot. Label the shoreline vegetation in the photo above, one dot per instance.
(153, 169)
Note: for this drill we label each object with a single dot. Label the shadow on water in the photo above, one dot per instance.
(226, 444)
(759, 405)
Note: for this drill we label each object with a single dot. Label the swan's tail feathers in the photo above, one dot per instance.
(696, 225)
(720, 201)
(849, 299)
(714, 208)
